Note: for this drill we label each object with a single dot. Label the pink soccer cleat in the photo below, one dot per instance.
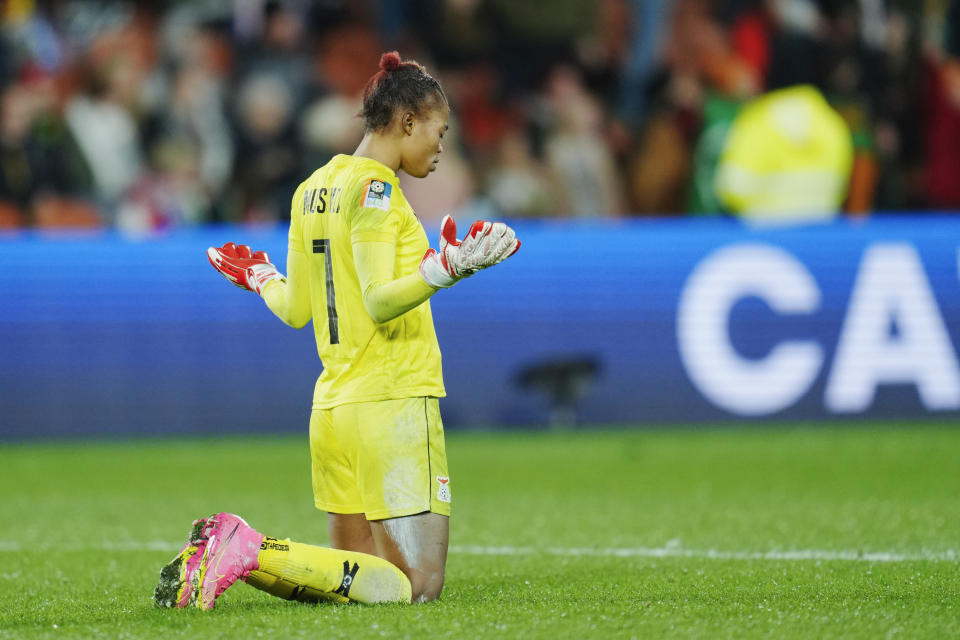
(180, 578)
(230, 553)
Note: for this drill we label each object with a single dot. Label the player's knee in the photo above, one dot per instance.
(425, 587)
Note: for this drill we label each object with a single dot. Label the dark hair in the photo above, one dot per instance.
(400, 84)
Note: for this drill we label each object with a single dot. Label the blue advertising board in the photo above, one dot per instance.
(680, 321)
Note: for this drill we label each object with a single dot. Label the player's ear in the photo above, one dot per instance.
(408, 120)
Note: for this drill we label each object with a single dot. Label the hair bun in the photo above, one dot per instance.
(390, 61)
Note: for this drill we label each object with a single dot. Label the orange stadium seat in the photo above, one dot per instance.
(53, 213)
(11, 217)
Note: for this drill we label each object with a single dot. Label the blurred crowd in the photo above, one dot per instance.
(144, 116)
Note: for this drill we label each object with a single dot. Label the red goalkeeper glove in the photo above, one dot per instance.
(486, 244)
(243, 267)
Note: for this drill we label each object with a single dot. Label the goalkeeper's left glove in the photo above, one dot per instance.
(245, 268)
(486, 244)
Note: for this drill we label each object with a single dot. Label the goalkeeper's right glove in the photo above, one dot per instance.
(243, 267)
(486, 244)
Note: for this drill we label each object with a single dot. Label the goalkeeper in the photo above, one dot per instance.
(359, 265)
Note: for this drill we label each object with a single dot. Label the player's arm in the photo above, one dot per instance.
(384, 297)
(287, 297)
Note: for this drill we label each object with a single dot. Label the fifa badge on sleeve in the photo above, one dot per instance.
(377, 194)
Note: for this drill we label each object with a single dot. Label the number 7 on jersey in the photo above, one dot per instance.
(322, 245)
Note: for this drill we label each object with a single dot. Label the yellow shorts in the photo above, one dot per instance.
(384, 459)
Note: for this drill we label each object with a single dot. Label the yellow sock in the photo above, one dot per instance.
(308, 573)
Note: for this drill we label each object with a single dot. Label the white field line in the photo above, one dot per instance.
(950, 555)
(669, 551)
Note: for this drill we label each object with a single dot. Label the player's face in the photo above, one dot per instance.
(423, 145)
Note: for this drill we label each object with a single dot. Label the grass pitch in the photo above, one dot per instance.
(735, 533)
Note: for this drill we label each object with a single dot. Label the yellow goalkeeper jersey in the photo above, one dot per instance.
(350, 200)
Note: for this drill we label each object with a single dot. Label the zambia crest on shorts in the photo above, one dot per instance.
(443, 490)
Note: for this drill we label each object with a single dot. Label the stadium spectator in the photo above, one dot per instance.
(517, 184)
(581, 162)
(787, 158)
(268, 154)
(41, 168)
(187, 135)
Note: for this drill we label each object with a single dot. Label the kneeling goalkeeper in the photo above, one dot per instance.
(359, 265)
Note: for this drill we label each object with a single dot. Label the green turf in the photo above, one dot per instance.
(550, 498)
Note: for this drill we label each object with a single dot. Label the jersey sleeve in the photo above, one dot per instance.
(374, 219)
(384, 296)
(295, 237)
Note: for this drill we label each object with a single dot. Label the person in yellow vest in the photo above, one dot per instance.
(359, 266)
(787, 159)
